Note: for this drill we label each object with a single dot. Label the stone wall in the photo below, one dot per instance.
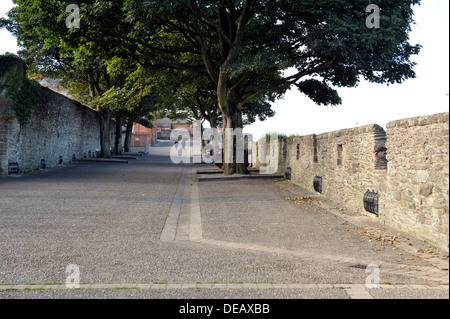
(3, 147)
(345, 160)
(417, 194)
(58, 127)
(411, 180)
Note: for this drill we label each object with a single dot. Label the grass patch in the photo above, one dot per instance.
(44, 283)
(8, 289)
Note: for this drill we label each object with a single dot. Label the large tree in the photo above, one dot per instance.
(52, 48)
(196, 99)
(244, 46)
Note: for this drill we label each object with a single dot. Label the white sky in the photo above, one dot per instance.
(368, 103)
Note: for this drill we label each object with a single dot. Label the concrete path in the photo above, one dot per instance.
(148, 229)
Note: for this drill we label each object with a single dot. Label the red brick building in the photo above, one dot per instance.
(162, 129)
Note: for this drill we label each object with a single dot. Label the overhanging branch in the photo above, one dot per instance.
(284, 82)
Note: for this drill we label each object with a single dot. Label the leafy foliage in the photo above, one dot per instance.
(240, 47)
(319, 92)
(23, 92)
(243, 46)
(7, 61)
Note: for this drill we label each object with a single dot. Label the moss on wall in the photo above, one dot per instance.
(23, 92)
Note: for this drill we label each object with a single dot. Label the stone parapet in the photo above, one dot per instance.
(406, 166)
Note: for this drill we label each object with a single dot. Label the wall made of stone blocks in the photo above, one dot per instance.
(411, 179)
(58, 126)
(345, 160)
(417, 194)
(3, 147)
(5, 115)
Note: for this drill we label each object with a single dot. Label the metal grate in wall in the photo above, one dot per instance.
(13, 168)
(318, 184)
(288, 174)
(371, 202)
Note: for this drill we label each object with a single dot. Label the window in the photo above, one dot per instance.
(340, 151)
(315, 153)
(298, 151)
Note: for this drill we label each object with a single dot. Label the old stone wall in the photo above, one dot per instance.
(3, 148)
(417, 194)
(344, 160)
(406, 166)
(59, 127)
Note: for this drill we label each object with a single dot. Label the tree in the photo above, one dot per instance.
(72, 54)
(198, 101)
(244, 46)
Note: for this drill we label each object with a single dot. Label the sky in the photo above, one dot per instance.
(368, 103)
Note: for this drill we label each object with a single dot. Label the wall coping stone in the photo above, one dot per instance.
(419, 121)
(372, 128)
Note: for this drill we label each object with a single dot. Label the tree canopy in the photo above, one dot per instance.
(245, 46)
(238, 48)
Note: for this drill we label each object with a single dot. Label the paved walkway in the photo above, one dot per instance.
(148, 229)
(277, 217)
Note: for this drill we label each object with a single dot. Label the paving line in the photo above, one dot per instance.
(355, 291)
(358, 292)
(190, 228)
(196, 218)
(405, 270)
(170, 227)
(430, 273)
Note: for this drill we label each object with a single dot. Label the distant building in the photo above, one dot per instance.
(162, 130)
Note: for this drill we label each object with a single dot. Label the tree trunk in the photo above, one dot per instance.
(129, 132)
(118, 139)
(234, 155)
(230, 103)
(105, 117)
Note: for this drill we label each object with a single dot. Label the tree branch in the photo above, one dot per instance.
(241, 80)
(285, 82)
(243, 19)
(212, 70)
(220, 30)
